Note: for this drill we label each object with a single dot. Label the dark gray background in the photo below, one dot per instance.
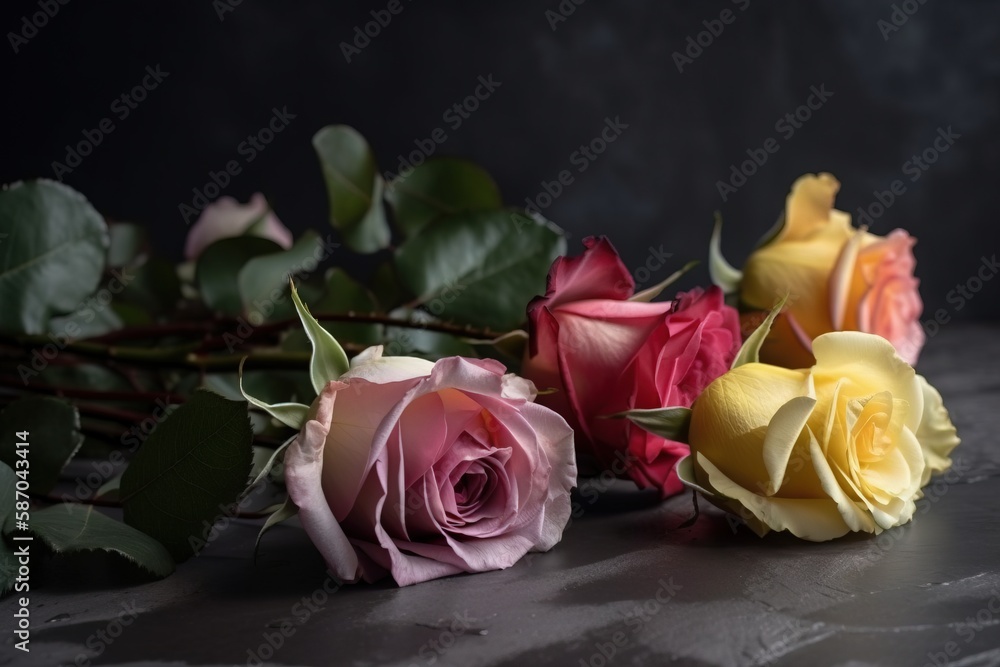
(655, 185)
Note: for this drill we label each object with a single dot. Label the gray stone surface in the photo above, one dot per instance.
(725, 596)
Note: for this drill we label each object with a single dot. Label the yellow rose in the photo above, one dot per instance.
(843, 446)
(838, 278)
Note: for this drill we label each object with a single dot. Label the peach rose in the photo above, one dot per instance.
(838, 278)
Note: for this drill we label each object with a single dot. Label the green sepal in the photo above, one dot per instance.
(329, 361)
(722, 272)
(750, 351)
(289, 414)
(670, 423)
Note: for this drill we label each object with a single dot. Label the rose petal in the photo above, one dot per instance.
(871, 360)
(598, 273)
(808, 206)
(936, 434)
(304, 464)
(226, 218)
(815, 519)
(370, 365)
(362, 407)
(555, 441)
(783, 432)
(851, 511)
(842, 278)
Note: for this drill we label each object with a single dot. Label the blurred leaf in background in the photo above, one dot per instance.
(354, 188)
(52, 251)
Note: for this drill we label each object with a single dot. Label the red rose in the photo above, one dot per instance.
(606, 353)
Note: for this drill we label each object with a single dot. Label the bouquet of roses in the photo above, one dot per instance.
(434, 417)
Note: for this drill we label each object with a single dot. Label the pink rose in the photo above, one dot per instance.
(226, 217)
(423, 470)
(604, 354)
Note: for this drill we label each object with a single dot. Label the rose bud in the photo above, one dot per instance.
(226, 217)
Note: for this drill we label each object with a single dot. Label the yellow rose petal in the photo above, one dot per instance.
(872, 362)
(815, 519)
(783, 431)
(856, 518)
(936, 432)
(808, 206)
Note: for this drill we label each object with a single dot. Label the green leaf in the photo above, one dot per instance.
(438, 188)
(722, 272)
(218, 268)
(8, 482)
(265, 277)
(406, 341)
(670, 423)
(283, 513)
(8, 564)
(53, 427)
(480, 269)
(190, 468)
(354, 187)
(419, 342)
(91, 320)
(750, 351)
(289, 414)
(329, 361)
(152, 286)
(128, 242)
(132, 315)
(8, 567)
(385, 286)
(84, 376)
(651, 293)
(52, 248)
(344, 295)
(72, 527)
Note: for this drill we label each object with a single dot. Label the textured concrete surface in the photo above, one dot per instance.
(631, 581)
